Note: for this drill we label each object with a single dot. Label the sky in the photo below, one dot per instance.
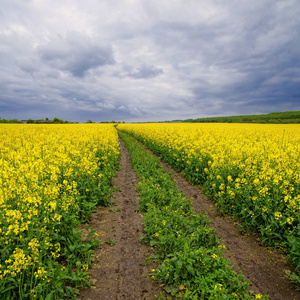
(148, 60)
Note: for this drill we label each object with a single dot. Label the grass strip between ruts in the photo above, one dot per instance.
(190, 256)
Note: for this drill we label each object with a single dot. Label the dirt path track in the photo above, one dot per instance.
(121, 273)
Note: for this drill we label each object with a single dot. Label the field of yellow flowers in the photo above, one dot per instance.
(51, 178)
(251, 170)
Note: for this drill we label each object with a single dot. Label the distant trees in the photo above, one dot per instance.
(57, 121)
(275, 117)
(47, 121)
(9, 121)
(38, 121)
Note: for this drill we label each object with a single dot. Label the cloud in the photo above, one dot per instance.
(75, 53)
(144, 72)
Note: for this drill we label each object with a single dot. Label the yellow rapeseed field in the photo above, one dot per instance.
(51, 176)
(251, 170)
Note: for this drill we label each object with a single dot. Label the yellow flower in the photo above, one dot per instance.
(40, 165)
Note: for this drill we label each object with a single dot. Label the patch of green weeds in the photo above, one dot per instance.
(115, 210)
(294, 277)
(162, 297)
(112, 203)
(111, 242)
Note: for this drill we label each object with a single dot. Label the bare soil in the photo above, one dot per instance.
(122, 271)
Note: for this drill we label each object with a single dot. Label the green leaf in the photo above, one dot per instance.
(49, 296)
(168, 289)
(7, 289)
(152, 243)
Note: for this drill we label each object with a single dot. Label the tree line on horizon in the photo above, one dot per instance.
(287, 117)
(38, 121)
(47, 121)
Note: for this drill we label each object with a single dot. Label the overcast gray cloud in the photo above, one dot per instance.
(143, 72)
(75, 53)
(144, 60)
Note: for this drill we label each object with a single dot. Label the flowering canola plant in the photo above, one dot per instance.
(51, 177)
(251, 170)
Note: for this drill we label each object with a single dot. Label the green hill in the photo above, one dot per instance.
(274, 117)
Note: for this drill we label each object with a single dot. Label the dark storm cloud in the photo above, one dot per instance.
(75, 53)
(250, 68)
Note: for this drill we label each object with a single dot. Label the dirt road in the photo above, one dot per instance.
(121, 272)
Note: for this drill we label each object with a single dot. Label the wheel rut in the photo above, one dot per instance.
(121, 272)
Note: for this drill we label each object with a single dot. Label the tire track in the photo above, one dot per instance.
(121, 272)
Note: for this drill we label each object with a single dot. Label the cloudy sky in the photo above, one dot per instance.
(148, 60)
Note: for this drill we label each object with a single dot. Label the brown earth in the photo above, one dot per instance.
(122, 271)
